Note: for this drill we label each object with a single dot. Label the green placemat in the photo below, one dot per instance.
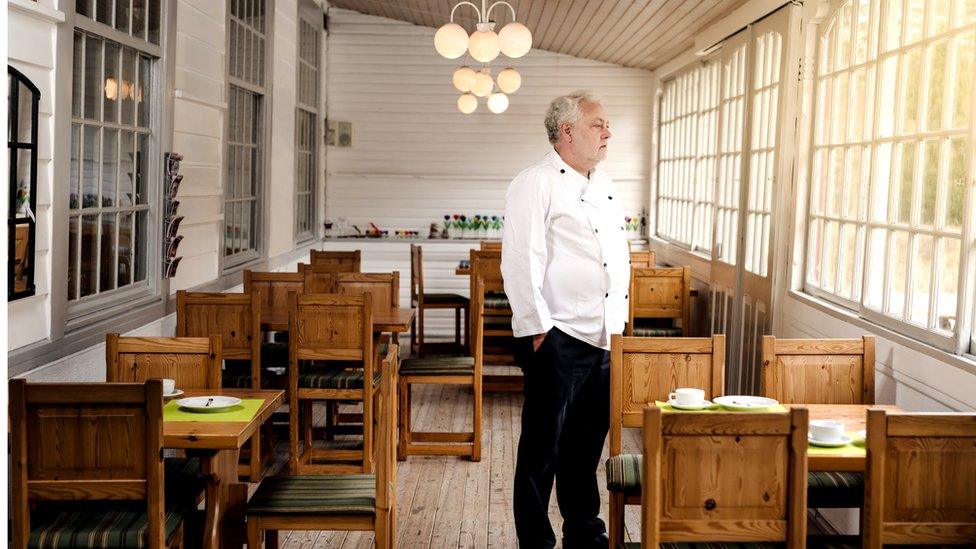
(244, 411)
(857, 446)
(779, 408)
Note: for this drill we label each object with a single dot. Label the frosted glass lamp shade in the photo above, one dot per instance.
(509, 80)
(482, 84)
(464, 79)
(483, 45)
(498, 103)
(451, 41)
(467, 103)
(515, 40)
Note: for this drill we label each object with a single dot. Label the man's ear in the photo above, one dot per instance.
(567, 130)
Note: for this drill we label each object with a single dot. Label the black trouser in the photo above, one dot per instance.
(565, 417)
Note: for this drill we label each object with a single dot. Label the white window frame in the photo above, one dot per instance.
(307, 138)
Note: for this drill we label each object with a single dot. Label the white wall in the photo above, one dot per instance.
(31, 50)
(415, 157)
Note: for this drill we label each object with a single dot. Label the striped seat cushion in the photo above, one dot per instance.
(441, 366)
(831, 489)
(237, 375)
(497, 300)
(315, 494)
(101, 524)
(333, 378)
(497, 322)
(445, 299)
(624, 473)
(709, 545)
(656, 331)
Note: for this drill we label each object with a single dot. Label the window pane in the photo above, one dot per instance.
(861, 28)
(89, 254)
(129, 86)
(94, 85)
(854, 177)
(956, 184)
(835, 183)
(881, 185)
(153, 7)
(83, 7)
(77, 76)
(107, 270)
(73, 180)
(930, 181)
(113, 83)
(911, 65)
(814, 254)
(897, 271)
(914, 21)
(25, 114)
(72, 258)
(139, 248)
(874, 291)
(139, 18)
(91, 168)
(935, 87)
(886, 101)
(110, 165)
(892, 27)
(965, 11)
(144, 90)
(142, 168)
(939, 19)
(906, 183)
(103, 11)
(830, 255)
(848, 255)
(122, 15)
(125, 250)
(948, 271)
(862, 81)
(921, 279)
(963, 74)
(839, 120)
(844, 37)
(127, 171)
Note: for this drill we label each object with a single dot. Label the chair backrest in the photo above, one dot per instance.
(274, 289)
(416, 273)
(334, 327)
(339, 262)
(661, 292)
(236, 318)
(819, 371)
(643, 260)
(86, 441)
(319, 279)
(384, 287)
(490, 245)
(645, 369)
(921, 479)
(724, 476)
(384, 449)
(193, 362)
(487, 265)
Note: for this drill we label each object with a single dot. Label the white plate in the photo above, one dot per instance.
(208, 403)
(705, 404)
(745, 402)
(844, 441)
(174, 394)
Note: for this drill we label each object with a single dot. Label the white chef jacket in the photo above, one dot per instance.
(565, 258)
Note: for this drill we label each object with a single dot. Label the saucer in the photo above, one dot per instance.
(745, 402)
(844, 441)
(174, 394)
(702, 406)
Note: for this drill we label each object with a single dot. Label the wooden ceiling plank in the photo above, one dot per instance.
(677, 25)
(574, 25)
(626, 27)
(664, 50)
(555, 15)
(609, 18)
(620, 21)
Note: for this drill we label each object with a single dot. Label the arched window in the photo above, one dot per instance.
(22, 152)
(891, 162)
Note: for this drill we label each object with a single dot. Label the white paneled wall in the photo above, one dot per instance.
(415, 157)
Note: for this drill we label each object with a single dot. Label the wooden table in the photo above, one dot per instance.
(392, 320)
(218, 445)
(854, 417)
(463, 271)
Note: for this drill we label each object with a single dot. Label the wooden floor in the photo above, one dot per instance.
(446, 502)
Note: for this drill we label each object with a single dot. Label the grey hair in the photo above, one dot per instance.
(565, 109)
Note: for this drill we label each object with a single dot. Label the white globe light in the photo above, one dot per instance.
(509, 80)
(464, 79)
(497, 103)
(451, 41)
(467, 103)
(483, 45)
(482, 84)
(515, 39)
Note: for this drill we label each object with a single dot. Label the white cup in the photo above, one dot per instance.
(687, 396)
(826, 430)
(169, 385)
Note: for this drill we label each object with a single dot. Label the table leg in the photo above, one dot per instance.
(226, 498)
(216, 496)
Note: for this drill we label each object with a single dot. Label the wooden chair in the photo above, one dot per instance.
(822, 371)
(443, 371)
(724, 477)
(643, 260)
(87, 464)
(339, 262)
(236, 318)
(490, 245)
(331, 358)
(496, 333)
(921, 479)
(274, 289)
(643, 370)
(384, 287)
(336, 502)
(319, 279)
(422, 301)
(658, 297)
(193, 362)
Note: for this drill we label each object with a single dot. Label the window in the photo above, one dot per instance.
(113, 184)
(686, 166)
(22, 152)
(245, 154)
(890, 174)
(306, 129)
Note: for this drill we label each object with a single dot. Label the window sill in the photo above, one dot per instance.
(964, 362)
(36, 10)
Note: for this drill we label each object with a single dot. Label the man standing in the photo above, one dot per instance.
(566, 267)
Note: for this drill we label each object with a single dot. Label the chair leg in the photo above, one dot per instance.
(255, 467)
(413, 334)
(616, 519)
(254, 534)
(293, 416)
(403, 418)
(368, 433)
(382, 530)
(457, 327)
(420, 333)
(476, 425)
(271, 539)
(467, 329)
(306, 407)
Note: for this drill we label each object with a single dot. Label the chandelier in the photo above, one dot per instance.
(514, 40)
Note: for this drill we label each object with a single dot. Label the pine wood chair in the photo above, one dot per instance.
(340, 262)
(70, 481)
(193, 362)
(643, 370)
(236, 318)
(319, 279)
(822, 371)
(384, 287)
(496, 329)
(336, 502)
(444, 371)
(921, 479)
(422, 301)
(643, 260)
(490, 245)
(658, 297)
(274, 289)
(724, 477)
(331, 358)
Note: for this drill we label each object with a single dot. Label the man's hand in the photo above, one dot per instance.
(537, 340)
